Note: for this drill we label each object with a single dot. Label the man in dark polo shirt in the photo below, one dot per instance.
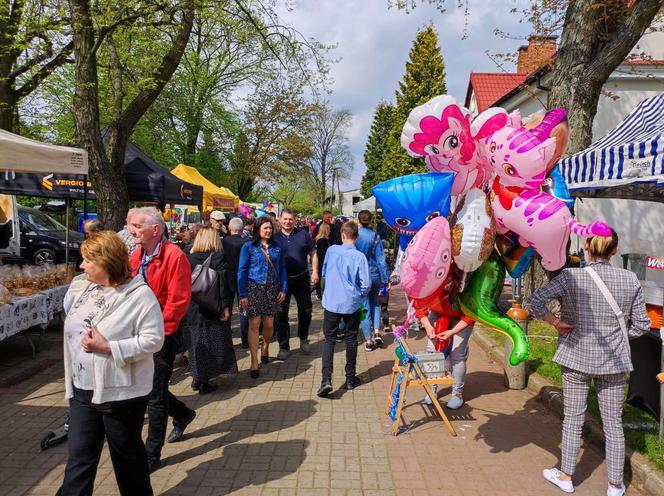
(297, 246)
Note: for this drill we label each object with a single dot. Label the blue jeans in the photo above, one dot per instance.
(372, 317)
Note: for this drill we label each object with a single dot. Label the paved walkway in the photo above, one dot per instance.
(274, 436)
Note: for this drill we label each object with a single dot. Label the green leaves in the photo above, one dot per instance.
(377, 146)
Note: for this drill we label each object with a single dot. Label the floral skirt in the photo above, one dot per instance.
(263, 299)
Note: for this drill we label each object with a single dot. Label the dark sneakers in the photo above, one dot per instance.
(179, 427)
(207, 388)
(352, 382)
(324, 389)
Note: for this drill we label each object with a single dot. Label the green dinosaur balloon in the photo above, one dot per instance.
(478, 301)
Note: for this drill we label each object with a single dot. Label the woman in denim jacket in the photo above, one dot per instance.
(262, 286)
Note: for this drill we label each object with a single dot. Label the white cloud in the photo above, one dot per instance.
(373, 45)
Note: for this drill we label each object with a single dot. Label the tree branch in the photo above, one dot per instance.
(254, 23)
(46, 70)
(162, 74)
(614, 51)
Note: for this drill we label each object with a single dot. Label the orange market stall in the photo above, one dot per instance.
(214, 197)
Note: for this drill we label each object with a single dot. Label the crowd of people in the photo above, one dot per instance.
(131, 312)
(134, 309)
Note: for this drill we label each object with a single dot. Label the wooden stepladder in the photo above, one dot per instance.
(406, 372)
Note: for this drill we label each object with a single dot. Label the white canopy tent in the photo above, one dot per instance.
(19, 154)
(626, 163)
(367, 204)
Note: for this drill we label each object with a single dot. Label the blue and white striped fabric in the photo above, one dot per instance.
(633, 152)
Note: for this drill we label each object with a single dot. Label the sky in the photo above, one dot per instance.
(373, 42)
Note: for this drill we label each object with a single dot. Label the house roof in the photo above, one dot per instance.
(492, 89)
(654, 62)
(489, 87)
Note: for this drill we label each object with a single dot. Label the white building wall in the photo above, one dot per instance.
(346, 203)
(639, 225)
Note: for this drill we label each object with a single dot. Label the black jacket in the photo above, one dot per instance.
(219, 264)
(232, 247)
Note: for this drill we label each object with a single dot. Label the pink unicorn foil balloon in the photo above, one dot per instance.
(440, 131)
(426, 263)
(519, 157)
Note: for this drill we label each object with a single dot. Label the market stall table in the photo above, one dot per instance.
(36, 310)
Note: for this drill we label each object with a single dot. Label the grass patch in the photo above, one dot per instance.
(641, 428)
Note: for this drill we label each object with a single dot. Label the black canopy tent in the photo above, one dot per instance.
(147, 181)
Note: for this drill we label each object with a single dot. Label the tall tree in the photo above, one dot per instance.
(34, 42)
(242, 175)
(107, 161)
(275, 119)
(376, 149)
(330, 158)
(424, 79)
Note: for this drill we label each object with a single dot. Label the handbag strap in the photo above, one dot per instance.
(610, 300)
(266, 254)
(371, 252)
(206, 264)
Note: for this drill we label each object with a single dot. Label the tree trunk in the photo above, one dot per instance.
(107, 178)
(8, 109)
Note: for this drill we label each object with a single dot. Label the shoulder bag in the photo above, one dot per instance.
(205, 287)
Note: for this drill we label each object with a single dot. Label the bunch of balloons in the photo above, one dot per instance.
(492, 200)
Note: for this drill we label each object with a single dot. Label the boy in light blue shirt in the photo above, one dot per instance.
(347, 282)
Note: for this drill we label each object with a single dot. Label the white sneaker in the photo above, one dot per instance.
(427, 400)
(553, 476)
(455, 402)
(615, 491)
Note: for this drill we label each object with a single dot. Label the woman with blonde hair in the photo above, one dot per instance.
(113, 327)
(322, 244)
(602, 307)
(210, 346)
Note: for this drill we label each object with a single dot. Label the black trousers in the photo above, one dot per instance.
(162, 402)
(121, 422)
(331, 322)
(300, 288)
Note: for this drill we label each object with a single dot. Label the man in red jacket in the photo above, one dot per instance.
(167, 271)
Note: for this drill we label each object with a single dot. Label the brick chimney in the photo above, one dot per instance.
(536, 54)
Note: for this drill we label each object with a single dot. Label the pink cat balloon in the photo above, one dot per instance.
(519, 157)
(426, 263)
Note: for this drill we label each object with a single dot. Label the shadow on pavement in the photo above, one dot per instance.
(508, 432)
(244, 465)
(263, 418)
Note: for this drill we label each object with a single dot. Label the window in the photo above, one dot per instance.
(357, 199)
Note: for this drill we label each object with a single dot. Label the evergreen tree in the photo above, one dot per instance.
(376, 150)
(424, 79)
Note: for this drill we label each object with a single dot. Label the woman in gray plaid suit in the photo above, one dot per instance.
(593, 344)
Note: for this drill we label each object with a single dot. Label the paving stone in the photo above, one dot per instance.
(274, 436)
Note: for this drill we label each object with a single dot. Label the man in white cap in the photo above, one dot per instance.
(217, 221)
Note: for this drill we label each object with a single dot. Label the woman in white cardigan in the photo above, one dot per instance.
(113, 327)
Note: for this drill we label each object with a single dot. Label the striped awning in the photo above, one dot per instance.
(632, 153)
